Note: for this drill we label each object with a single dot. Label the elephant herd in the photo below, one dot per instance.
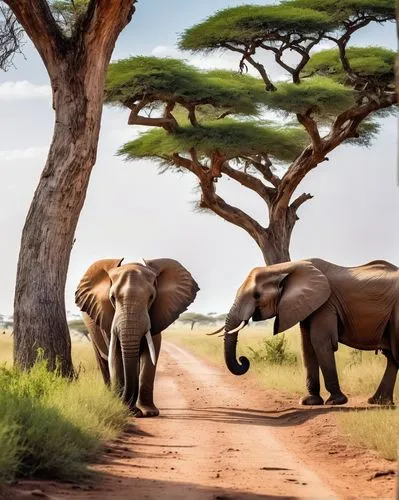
(127, 306)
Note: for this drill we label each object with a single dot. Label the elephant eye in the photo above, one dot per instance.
(256, 295)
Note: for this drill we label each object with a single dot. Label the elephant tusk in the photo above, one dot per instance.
(151, 347)
(217, 331)
(242, 325)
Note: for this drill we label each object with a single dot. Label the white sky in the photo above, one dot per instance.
(132, 212)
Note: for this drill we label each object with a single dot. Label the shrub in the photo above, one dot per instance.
(273, 351)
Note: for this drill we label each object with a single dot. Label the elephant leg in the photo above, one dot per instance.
(312, 369)
(145, 401)
(323, 336)
(384, 393)
(115, 365)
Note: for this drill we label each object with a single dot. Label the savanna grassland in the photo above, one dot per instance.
(50, 426)
(276, 364)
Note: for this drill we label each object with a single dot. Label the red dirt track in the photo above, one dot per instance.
(222, 437)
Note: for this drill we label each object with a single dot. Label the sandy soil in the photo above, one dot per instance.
(222, 437)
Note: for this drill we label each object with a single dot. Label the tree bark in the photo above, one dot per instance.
(77, 71)
(275, 241)
(47, 238)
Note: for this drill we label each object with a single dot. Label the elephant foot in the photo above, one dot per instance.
(337, 399)
(147, 410)
(136, 412)
(381, 399)
(312, 399)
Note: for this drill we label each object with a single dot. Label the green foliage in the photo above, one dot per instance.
(68, 12)
(51, 427)
(244, 24)
(375, 63)
(157, 79)
(253, 23)
(320, 94)
(227, 136)
(342, 10)
(273, 351)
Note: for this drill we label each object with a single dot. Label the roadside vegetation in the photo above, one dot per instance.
(49, 426)
(276, 363)
(377, 429)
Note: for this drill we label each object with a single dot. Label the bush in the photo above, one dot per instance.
(273, 351)
(52, 427)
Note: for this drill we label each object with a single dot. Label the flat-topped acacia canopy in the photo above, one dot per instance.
(299, 19)
(228, 137)
(376, 63)
(171, 80)
(248, 23)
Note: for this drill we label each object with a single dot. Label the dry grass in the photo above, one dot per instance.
(377, 430)
(359, 373)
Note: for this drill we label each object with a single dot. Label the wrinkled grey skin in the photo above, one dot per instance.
(357, 306)
(120, 305)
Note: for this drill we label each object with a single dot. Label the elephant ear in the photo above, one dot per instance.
(92, 294)
(176, 290)
(304, 290)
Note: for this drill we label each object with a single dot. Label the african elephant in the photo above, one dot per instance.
(126, 307)
(357, 306)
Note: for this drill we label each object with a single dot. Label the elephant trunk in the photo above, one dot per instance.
(131, 363)
(230, 345)
(131, 332)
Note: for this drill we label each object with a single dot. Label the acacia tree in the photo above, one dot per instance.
(76, 48)
(298, 26)
(198, 128)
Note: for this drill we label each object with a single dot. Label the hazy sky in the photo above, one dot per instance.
(133, 212)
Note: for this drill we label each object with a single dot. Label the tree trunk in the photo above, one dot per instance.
(47, 238)
(275, 242)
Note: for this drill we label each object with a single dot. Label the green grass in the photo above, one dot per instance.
(52, 427)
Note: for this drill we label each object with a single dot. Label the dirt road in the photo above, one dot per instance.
(216, 438)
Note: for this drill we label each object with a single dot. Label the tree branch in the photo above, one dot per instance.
(102, 16)
(167, 121)
(344, 127)
(300, 201)
(37, 20)
(258, 66)
(230, 213)
(359, 113)
(11, 36)
(209, 198)
(264, 168)
(311, 128)
(250, 182)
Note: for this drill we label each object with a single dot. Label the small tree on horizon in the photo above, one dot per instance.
(203, 319)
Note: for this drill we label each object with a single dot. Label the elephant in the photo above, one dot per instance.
(357, 306)
(125, 308)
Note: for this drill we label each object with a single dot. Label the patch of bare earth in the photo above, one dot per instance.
(224, 437)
